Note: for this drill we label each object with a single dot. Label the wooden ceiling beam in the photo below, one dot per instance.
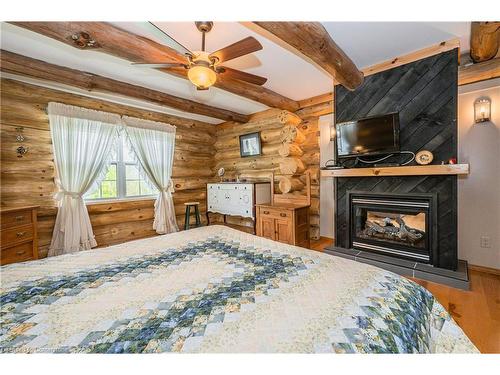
(479, 72)
(29, 67)
(314, 42)
(318, 99)
(484, 40)
(316, 106)
(106, 38)
(114, 41)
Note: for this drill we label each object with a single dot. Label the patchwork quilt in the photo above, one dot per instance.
(215, 289)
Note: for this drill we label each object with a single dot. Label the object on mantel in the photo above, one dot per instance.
(420, 170)
(424, 157)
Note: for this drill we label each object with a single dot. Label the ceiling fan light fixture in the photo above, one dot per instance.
(201, 73)
(202, 76)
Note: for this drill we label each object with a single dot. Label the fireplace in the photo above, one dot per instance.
(398, 225)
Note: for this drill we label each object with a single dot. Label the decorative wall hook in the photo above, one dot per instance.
(21, 151)
(19, 135)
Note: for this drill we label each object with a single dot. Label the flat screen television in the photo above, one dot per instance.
(368, 136)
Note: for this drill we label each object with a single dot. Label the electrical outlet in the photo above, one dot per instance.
(485, 241)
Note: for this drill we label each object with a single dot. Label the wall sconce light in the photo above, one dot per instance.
(482, 110)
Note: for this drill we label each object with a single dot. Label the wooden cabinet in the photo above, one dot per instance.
(287, 223)
(19, 240)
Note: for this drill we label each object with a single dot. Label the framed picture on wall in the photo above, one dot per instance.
(250, 144)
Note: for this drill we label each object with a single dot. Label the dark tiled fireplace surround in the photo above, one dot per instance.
(398, 232)
(424, 93)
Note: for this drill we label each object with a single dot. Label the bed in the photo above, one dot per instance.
(215, 289)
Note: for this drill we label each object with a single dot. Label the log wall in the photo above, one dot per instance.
(290, 148)
(30, 179)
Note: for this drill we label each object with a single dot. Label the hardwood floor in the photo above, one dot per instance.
(476, 311)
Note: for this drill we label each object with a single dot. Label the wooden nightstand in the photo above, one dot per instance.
(284, 222)
(286, 218)
(19, 239)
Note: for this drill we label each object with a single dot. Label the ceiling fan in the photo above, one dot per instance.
(203, 67)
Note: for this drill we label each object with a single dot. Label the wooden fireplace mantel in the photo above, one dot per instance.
(414, 170)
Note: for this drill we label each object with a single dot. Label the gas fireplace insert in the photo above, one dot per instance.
(398, 225)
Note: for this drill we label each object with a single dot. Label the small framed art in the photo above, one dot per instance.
(250, 144)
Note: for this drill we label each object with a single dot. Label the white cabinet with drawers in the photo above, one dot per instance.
(237, 199)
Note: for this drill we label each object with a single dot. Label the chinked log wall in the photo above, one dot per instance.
(290, 148)
(30, 179)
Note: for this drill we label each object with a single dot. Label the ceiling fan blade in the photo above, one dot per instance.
(241, 48)
(165, 38)
(158, 65)
(242, 76)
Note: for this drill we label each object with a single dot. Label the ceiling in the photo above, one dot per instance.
(368, 43)
(288, 73)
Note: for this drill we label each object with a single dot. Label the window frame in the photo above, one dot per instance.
(121, 179)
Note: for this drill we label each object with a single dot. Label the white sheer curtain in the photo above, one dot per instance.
(82, 140)
(153, 143)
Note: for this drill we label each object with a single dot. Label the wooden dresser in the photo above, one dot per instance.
(19, 240)
(286, 218)
(284, 222)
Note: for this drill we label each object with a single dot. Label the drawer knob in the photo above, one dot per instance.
(19, 218)
(20, 234)
(266, 212)
(21, 252)
(282, 214)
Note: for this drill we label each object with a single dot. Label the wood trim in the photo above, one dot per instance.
(316, 110)
(412, 56)
(123, 44)
(313, 41)
(479, 72)
(318, 99)
(316, 106)
(33, 68)
(488, 270)
(425, 170)
(4, 210)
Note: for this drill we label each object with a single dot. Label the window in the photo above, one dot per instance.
(123, 178)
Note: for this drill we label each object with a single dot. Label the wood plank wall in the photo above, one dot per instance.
(274, 125)
(30, 179)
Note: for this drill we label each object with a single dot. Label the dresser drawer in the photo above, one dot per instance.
(278, 214)
(19, 253)
(16, 218)
(15, 235)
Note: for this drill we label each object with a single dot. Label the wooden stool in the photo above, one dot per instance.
(188, 214)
